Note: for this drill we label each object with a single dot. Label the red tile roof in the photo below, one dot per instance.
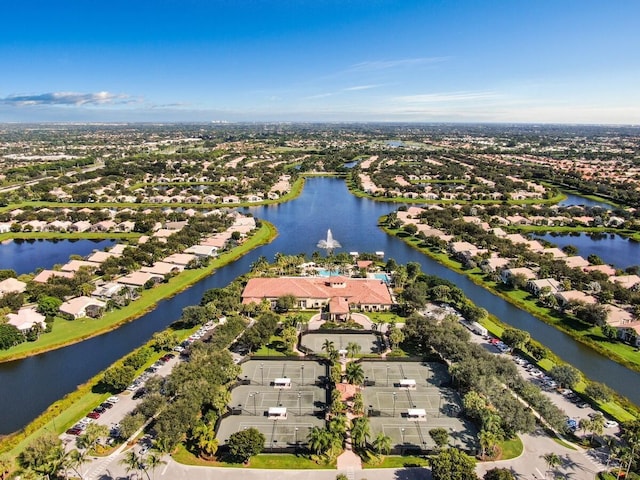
(356, 290)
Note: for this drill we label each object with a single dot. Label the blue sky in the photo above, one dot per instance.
(550, 61)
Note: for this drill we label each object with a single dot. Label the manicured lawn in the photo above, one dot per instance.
(268, 461)
(385, 317)
(67, 332)
(511, 448)
(398, 461)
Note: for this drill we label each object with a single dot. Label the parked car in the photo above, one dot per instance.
(93, 415)
(74, 431)
(106, 405)
(100, 409)
(610, 424)
(113, 399)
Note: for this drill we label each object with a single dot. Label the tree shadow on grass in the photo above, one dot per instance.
(413, 473)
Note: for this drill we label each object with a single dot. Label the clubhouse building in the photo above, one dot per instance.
(338, 294)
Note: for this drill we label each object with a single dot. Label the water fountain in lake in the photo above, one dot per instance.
(329, 244)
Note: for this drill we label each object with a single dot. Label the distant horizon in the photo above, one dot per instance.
(315, 122)
(415, 61)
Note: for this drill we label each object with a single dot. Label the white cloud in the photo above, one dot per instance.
(446, 97)
(397, 63)
(66, 98)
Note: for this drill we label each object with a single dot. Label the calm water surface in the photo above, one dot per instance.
(25, 256)
(30, 385)
(572, 200)
(613, 249)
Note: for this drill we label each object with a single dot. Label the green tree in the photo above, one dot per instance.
(91, 436)
(353, 349)
(552, 460)
(152, 462)
(381, 444)
(358, 403)
(118, 377)
(6, 465)
(49, 306)
(290, 337)
(452, 464)
(284, 303)
(131, 461)
(440, 436)
(360, 431)
(598, 392)
(164, 340)
(515, 338)
(319, 440)
(204, 437)
(245, 444)
(396, 337)
(566, 375)
(45, 456)
(9, 336)
(354, 373)
(499, 474)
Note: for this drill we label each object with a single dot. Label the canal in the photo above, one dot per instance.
(30, 385)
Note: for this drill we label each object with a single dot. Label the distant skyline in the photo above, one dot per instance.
(543, 61)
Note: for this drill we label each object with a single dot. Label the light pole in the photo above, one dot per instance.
(394, 404)
(402, 431)
(387, 375)
(302, 374)
(299, 404)
(255, 408)
(262, 373)
(296, 438)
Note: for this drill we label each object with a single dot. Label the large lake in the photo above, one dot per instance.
(25, 256)
(30, 385)
(613, 249)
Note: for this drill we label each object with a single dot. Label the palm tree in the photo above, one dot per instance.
(131, 461)
(353, 349)
(360, 432)
(75, 459)
(152, 462)
(381, 444)
(488, 441)
(205, 439)
(319, 440)
(354, 373)
(552, 460)
(328, 346)
(338, 424)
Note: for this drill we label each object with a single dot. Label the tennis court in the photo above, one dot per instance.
(264, 372)
(283, 399)
(405, 400)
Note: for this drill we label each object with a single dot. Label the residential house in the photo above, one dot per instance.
(75, 265)
(576, 262)
(45, 275)
(139, 279)
(574, 296)
(535, 286)
(202, 250)
(80, 307)
(507, 273)
(26, 319)
(626, 281)
(9, 285)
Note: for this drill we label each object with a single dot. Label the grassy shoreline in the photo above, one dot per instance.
(87, 328)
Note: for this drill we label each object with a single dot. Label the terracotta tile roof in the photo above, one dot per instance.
(355, 290)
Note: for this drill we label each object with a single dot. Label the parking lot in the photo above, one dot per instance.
(568, 401)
